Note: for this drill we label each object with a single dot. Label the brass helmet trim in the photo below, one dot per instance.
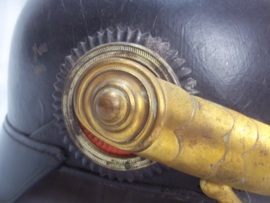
(86, 80)
(159, 49)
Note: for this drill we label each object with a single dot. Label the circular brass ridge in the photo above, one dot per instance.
(108, 90)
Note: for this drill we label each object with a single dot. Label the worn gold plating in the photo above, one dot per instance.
(96, 92)
(123, 103)
(135, 91)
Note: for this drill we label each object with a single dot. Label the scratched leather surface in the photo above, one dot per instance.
(226, 43)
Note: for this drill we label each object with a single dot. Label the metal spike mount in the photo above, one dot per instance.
(111, 175)
(84, 161)
(64, 69)
(77, 154)
(183, 72)
(118, 35)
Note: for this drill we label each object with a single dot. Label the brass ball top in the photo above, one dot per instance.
(111, 106)
(108, 106)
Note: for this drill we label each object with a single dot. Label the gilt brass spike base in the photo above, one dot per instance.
(102, 63)
(126, 105)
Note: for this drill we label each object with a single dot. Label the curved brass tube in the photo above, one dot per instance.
(131, 109)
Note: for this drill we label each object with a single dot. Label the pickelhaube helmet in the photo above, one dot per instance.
(97, 88)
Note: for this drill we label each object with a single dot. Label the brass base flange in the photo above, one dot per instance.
(85, 85)
(98, 160)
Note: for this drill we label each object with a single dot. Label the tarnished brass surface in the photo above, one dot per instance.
(126, 105)
(135, 91)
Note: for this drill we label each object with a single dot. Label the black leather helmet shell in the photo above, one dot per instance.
(225, 43)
